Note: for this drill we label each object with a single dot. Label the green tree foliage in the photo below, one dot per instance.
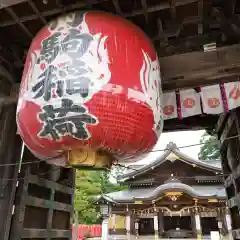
(210, 149)
(90, 184)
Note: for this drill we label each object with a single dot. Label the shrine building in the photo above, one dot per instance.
(174, 196)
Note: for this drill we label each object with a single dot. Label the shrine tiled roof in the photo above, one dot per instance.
(150, 194)
(171, 149)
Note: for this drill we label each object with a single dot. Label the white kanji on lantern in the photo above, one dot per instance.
(150, 79)
(190, 103)
(211, 99)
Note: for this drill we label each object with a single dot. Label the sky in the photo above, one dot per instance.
(181, 138)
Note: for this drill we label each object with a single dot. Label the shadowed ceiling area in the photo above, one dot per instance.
(175, 26)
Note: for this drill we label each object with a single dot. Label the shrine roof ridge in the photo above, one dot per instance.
(171, 148)
(151, 194)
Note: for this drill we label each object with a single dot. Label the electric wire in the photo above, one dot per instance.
(41, 174)
(30, 162)
(117, 165)
(186, 146)
(23, 178)
(156, 150)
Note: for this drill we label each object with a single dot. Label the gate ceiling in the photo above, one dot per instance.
(178, 28)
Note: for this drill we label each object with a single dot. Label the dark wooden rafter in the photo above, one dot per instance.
(173, 10)
(89, 3)
(229, 8)
(162, 35)
(174, 30)
(200, 14)
(159, 7)
(117, 7)
(10, 54)
(35, 9)
(206, 14)
(145, 9)
(45, 14)
(17, 20)
(60, 5)
(229, 25)
(75, 6)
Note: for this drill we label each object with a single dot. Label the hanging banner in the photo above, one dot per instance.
(211, 99)
(232, 90)
(169, 105)
(214, 99)
(190, 103)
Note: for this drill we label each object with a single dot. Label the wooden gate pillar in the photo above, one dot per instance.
(161, 223)
(43, 202)
(228, 130)
(128, 223)
(10, 152)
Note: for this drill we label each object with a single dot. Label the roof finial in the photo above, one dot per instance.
(171, 146)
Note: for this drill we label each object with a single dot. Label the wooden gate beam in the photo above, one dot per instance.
(196, 69)
(9, 3)
(187, 70)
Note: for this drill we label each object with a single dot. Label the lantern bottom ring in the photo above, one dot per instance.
(87, 158)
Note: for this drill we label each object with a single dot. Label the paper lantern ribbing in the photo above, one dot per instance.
(90, 91)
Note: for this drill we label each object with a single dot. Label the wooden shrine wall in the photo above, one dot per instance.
(10, 151)
(36, 200)
(43, 202)
(228, 129)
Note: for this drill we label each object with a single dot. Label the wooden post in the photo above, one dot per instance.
(114, 222)
(193, 224)
(228, 129)
(128, 226)
(156, 227)
(105, 228)
(198, 226)
(220, 228)
(161, 223)
(136, 225)
(75, 232)
(128, 223)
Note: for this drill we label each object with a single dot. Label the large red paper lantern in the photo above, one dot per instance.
(90, 91)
